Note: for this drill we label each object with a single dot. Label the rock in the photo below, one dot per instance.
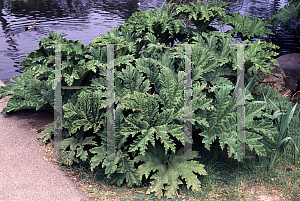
(278, 80)
(291, 85)
(297, 96)
(290, 64)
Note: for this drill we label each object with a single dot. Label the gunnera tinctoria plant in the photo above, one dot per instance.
(149, 80)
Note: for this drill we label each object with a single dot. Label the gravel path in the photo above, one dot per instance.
(24, 173)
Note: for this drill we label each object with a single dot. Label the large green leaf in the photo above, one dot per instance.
(167, 171)
(245, 26)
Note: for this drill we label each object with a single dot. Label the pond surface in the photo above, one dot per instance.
(86, 19)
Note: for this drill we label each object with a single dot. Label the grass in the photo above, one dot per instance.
(226, 180)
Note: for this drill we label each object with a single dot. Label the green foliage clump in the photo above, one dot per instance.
(245, 26)
(285, 14)
(150, 94)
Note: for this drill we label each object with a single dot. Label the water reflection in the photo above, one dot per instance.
(69, 2)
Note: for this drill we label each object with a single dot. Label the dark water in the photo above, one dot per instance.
(86, 19)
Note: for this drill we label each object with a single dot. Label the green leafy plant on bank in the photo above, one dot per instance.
(149, 94)
(249, 28)
(285, 14)
(34, 89)
(282, 133)
(295, 133)
(201, 15)
(285, 126)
